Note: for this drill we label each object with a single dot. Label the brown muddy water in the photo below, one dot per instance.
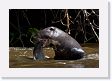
(23, 58)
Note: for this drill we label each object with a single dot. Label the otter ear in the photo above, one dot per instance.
(52, 29)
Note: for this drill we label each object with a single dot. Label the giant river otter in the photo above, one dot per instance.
(66, 47)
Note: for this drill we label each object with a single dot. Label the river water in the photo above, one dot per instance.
(20, 57)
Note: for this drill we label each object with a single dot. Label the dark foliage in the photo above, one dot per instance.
(24, 24)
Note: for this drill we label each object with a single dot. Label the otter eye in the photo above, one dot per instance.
(52, 29)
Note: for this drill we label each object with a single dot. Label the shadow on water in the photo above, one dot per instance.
(23, 58)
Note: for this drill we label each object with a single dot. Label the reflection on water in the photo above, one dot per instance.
(22, 58)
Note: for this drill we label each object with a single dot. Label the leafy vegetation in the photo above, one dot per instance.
(24, 24)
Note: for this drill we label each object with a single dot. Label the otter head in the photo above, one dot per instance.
(50, 32)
